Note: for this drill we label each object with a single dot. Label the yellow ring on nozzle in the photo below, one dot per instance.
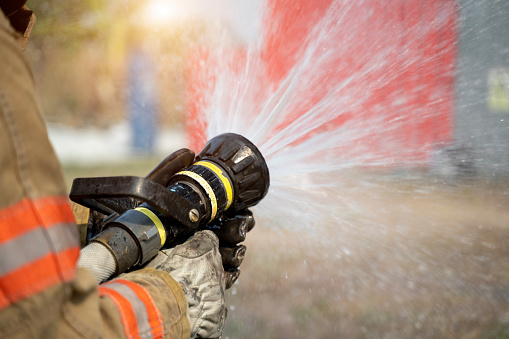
(157, 222)
(206, 187)
(220, 174)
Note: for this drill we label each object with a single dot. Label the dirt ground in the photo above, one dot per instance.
(397, 257)
(418, 258)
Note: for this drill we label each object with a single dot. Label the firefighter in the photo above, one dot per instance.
(42, 292)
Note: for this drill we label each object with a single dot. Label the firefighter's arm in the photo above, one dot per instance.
(144, 304)
(42, 293)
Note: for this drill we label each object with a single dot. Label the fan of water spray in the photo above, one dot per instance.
(340, 107)
(368, 88)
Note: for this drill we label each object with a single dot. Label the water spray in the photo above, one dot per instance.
(180, 196)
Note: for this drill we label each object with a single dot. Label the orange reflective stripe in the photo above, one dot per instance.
(16, 220)
(154, 316)
(141, 312)
(28, 214)
(124, 309)
(34, 277)
(67, 260)
(39, 247)
(54, 210)
(30, 279)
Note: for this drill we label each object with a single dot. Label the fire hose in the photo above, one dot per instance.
(182, 195)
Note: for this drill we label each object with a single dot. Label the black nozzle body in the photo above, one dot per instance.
(244, 163)
(230, 172)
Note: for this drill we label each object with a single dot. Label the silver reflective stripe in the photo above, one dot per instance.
(63, 236)
(140, 311)
(22, 250)
(34, 245)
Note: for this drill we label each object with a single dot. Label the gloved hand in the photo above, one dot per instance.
(197, 266)
(231, 229)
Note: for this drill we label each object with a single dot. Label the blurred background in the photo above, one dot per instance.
(112, 74)
(416, 248)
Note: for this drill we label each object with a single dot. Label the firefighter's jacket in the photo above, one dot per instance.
(42, 293)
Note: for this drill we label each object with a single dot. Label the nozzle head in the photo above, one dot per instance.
(245, 166)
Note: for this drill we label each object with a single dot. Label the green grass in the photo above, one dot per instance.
(501, 331)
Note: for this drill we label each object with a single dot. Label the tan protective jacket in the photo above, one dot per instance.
(42, 293)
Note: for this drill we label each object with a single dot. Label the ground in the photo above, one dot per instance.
(426, 262)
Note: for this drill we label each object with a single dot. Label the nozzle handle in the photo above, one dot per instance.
(100, 194)
(173, 163)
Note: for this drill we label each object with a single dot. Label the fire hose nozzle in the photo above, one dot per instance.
(230, 173)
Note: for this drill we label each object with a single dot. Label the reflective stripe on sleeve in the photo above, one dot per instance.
(140, 316)
(34, 245)
(39, 247)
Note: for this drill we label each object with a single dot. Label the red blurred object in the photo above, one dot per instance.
(199, 80)
(411, 96)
